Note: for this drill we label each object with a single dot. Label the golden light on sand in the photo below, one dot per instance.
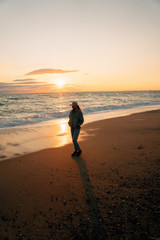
(63, 133)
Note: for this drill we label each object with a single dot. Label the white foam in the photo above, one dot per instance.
(54, 133)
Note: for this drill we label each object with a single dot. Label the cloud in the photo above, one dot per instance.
(34, 82)
(2, 84)
(6, 88)
(33, 87)
(26, 79)
(51, 71)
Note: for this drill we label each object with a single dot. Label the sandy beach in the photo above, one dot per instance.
(111, 192)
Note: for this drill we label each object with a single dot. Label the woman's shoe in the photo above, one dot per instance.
(79, 153)
(74, 154)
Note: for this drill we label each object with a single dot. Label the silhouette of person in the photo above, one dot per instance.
(75, 121)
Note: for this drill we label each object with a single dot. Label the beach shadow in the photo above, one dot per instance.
(98, 226)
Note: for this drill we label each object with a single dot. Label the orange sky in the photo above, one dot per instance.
(87, 45)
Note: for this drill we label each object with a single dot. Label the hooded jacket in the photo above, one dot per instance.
(75, 118)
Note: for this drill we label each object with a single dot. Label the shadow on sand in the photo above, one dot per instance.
(98, 227)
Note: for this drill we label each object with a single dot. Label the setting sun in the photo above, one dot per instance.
(59, 83)
(120, 50)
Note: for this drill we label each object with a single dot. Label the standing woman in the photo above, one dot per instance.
(75, 122)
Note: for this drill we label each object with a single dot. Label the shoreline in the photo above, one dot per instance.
(95, 116)
(20, 140)
(110, 192)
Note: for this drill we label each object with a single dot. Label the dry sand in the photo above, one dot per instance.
(111, 192)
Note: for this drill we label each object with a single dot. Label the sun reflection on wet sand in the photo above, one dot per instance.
(21, 140)
(30, 138)
(63, 135)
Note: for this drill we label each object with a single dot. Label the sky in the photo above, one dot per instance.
(87, 45)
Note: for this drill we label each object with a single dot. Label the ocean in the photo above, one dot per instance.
(24, 109)
(32, 122)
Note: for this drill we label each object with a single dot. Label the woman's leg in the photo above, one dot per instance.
(75, 133)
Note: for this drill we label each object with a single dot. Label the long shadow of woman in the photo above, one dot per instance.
(98, 226)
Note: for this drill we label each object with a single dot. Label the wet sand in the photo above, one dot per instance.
(20, 140)
(111, 192)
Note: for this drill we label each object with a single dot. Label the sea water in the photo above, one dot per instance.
(22, 109)
(31, 122)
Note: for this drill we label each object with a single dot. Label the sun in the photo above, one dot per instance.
(60, 83)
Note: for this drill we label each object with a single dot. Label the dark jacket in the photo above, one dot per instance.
(75, 118)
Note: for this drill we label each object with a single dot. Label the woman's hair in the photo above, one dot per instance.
(79, 107)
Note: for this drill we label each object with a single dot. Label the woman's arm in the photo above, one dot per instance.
(80, 119)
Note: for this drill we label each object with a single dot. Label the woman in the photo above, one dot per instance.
(75, 122)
